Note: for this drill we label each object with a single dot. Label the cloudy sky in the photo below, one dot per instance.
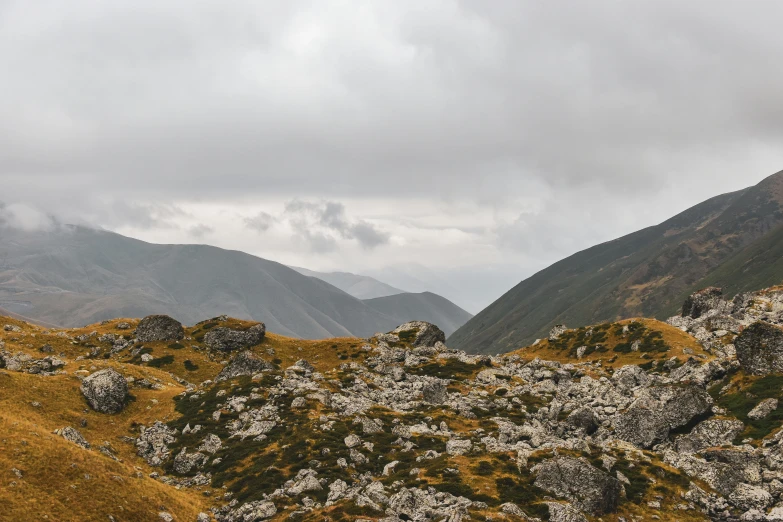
(461, 143)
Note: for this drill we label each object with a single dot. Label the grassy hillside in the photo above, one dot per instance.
(647, 273)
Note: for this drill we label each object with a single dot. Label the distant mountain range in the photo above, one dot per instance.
(734, 241)
(71, 276)
(359, 286)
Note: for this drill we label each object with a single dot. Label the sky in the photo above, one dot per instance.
(451, 145)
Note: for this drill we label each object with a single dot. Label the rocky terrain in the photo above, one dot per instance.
(223, 421)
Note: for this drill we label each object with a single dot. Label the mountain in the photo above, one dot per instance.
(73, 276)
(732, 240)
(424, 306)
(359, 286)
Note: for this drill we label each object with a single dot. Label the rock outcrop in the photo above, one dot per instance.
(760, 348)
(589, 488)
(231, 339)
(702, 302)
(425, 334)
(245, 363)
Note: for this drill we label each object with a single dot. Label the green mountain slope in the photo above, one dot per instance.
(646, 273)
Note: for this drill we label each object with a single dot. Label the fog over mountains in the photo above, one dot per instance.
(73, 275)
(361, 287)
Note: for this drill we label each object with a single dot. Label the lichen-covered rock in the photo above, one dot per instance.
(557, 331)
(185, 461)
(658, 410)
(760, 348)
(458, 447)
(231, 339)
(106, 391)
(159, 328)
(702, 302)
(746, 497)
(434, 392)
(250, 512)
(73, 435)
(153, 443)
(763, 409)
(564, 512)
(709, 433)
(427, 334)
(583, 419)
(589, 488)
(245, 363)
(210, 444)
(641, 426)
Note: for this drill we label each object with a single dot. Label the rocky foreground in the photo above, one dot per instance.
(636, 420)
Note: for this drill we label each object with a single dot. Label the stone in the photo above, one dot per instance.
(557, 331)
(584, 419)
(658, 410)
(746, 497)
(152, 444)
(106, 391)
(458, 447)
(185, 461)
(210, 444)
(763, 409)
(352, 441)
(73, 435)
(589, 488)
(760, 348)
(434, 392)
(427, 334)
(252, 512)
(159, 328)
(701, 302)
(245, 363)
(564, 512)
(709, 433)
(232, 339)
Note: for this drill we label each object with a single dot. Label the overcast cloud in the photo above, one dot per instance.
(475, 141)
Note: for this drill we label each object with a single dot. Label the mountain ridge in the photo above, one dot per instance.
(74, 275)
(645, 273)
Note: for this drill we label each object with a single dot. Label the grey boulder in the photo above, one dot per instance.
(589, 488)
(244, 363)
(106, 391)
(230, 339)
(427, 334)
(159, 328)
(702, 302)
(760, 348)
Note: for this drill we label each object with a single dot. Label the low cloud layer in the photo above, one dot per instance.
(462, 135)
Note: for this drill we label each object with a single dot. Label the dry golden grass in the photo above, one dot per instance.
(677, 340)
(55, 483)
